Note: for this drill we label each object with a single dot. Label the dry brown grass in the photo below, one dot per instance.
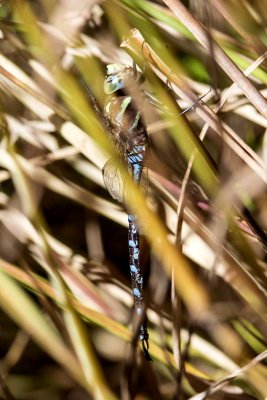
(63, 251)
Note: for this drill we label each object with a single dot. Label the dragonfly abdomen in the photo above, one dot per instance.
(136, 275)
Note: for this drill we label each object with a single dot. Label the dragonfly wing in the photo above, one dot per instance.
(113, 180)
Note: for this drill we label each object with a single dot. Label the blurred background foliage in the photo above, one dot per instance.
(66, 307)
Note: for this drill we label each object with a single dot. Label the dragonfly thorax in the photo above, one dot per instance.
(126, 121)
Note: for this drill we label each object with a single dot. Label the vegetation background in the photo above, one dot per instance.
(66, 307)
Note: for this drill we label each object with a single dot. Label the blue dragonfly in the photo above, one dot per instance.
(123, 119)
(130, 137)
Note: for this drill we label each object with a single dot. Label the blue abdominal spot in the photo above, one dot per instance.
(136, 292)
(133, 269)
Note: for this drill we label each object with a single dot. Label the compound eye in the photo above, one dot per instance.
(113, 83)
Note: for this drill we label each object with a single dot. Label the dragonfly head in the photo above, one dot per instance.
(120, 77)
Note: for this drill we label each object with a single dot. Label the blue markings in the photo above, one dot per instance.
(136, 292)
(112, 84)
(132, 243)
(133, 269)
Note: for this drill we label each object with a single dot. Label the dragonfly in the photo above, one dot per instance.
(130, 137)
(124, 122)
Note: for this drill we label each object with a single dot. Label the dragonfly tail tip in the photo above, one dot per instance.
(145, 347)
